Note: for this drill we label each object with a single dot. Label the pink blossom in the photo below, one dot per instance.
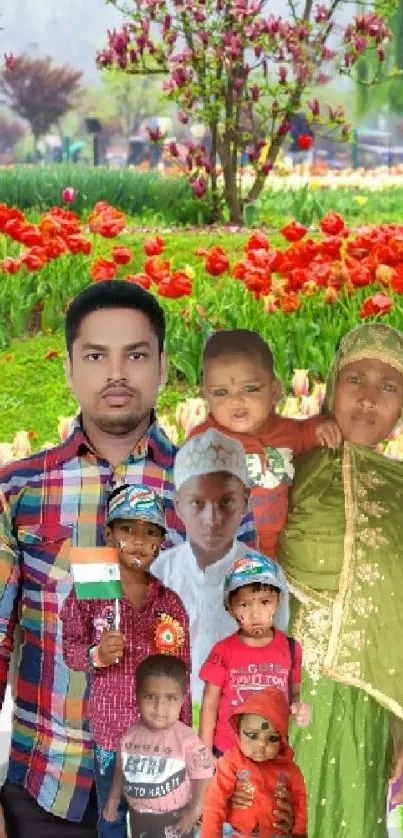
(68, 194)
(173, 149)
(267, 167)
(9, 61)
(182, 117)
(198, 186)
(282, 74)
(314, 107)
(154, 134)
(321, 13)
(254, 92)
(179, 76)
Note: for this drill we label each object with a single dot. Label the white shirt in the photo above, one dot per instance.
(202, 593)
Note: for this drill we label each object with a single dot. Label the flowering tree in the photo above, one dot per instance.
(38, 91)
(243, 73)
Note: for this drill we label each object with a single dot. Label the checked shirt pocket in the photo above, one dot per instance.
(46, 552)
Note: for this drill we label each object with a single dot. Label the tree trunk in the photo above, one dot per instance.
(230, 185)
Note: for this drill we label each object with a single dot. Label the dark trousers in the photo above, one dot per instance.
(105, 763)
(25, 819)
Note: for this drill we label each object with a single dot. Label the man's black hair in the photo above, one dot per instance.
(111, 294)
(238, 342)
(166, 666)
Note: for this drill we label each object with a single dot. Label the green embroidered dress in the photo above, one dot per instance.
(342, 552)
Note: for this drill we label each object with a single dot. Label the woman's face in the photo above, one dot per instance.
(368, 401)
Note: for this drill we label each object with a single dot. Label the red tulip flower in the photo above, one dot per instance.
(378, 304)
(121, 255)
(68, 194)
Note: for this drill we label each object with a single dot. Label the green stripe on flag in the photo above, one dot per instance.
(110, 589)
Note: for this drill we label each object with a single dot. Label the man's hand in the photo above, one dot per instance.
(111, 646)
(328, 434)
(187, 820)
(110, 812)
(301, 713)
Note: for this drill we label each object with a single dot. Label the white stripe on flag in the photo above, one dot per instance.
(95, 572)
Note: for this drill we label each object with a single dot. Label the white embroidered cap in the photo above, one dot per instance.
(207, 453)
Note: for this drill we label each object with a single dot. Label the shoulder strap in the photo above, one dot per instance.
(291, 649)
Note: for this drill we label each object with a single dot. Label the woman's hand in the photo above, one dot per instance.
(301, 712)
(328, 434)
(283, 813)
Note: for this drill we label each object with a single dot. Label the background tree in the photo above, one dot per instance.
(38, 91)
(388, 92)
(134, 99)
(11, 131)
(223, 59)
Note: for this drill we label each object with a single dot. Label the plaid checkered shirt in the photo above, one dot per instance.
(49, 502)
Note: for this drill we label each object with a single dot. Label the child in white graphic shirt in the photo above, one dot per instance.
(163, 767)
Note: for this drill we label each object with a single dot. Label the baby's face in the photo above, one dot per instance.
(258, 739)
(240, 393)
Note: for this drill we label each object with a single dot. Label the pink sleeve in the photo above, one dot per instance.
(198, 758)
(297, 664)
(215, 668)
(78, 632)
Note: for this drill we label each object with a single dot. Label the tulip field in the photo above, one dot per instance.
(301, 285)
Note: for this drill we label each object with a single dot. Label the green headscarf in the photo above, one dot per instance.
(371, 340)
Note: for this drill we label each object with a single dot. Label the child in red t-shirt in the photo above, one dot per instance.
(241, 390)
(262, 758)
(256, 657)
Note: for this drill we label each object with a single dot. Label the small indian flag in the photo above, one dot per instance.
(96, 572)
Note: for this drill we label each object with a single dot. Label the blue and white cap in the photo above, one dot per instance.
(250, 568)
(137, 502)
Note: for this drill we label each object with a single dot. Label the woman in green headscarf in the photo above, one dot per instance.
(342, 551)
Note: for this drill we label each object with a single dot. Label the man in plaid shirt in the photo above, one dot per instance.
(56, 499)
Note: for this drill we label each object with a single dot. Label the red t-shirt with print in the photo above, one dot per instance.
(239, 670)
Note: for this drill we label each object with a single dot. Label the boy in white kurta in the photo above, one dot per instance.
(211, 497)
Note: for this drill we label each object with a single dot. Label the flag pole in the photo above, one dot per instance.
(117, 615)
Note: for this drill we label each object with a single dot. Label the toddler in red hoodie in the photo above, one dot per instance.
(263, 758)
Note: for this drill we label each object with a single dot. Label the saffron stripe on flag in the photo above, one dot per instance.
(94, 555)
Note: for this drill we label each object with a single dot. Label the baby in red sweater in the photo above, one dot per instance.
(265, 761)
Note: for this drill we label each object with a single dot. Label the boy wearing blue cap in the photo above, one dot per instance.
(257, 656)
(153, 620)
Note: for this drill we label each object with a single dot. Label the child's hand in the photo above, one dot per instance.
(110, 648)
(302, 713)
(110, 812)
(328, 434)
(187, 820)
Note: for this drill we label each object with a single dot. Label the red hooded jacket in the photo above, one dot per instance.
(263, 776)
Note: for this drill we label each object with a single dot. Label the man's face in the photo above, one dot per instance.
(240, 392)
(211, 507)
(368, 401)
(115, 369)
(258, 739)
